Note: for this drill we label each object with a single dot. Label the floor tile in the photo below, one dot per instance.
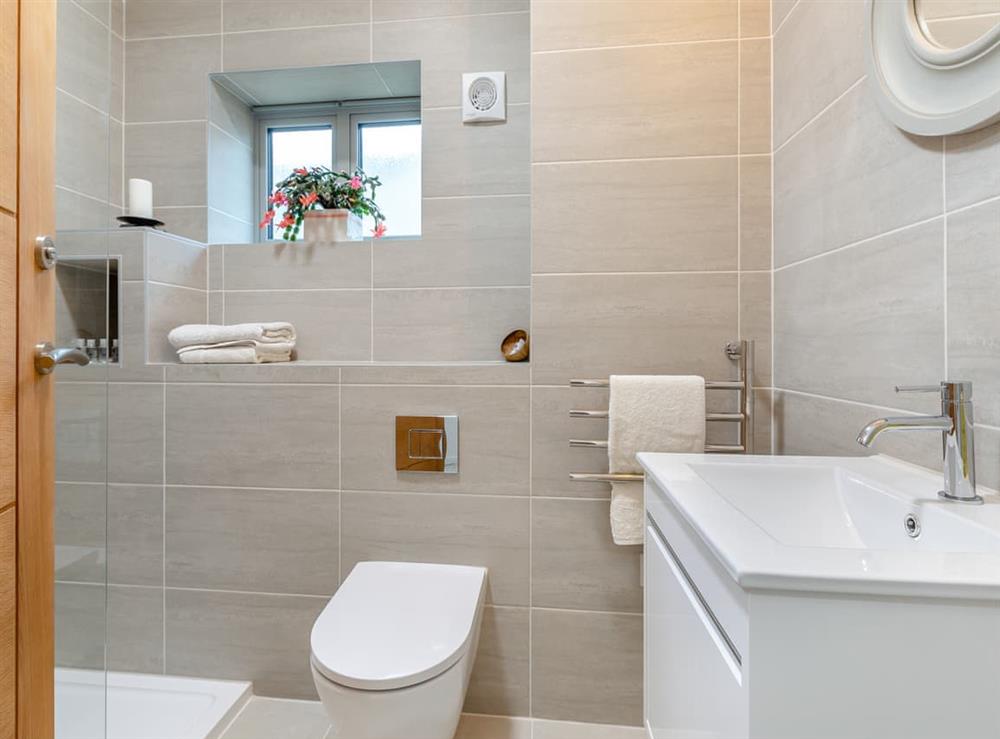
(267, 718)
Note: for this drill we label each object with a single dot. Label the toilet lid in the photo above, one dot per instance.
(395, 624)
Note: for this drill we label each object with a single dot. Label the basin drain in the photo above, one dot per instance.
(912, 525)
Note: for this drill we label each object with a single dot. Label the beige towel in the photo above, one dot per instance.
(649, 413)
(198, 334)
(236, 352)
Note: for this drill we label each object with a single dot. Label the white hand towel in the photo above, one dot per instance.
(236, 352)
(196, 333)
(655, 413)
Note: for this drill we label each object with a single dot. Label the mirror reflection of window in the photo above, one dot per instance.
(391, 150)
(291, 147)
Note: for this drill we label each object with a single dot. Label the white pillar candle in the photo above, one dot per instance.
(140, 198)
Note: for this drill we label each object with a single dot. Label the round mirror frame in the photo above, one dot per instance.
(925, 88)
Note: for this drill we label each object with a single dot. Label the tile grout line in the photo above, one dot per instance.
(820, 114)
(944, 248)
(163, 514)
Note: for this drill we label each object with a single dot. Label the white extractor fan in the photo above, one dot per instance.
(484, 97)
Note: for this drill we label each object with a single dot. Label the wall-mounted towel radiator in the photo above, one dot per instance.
(740, 352)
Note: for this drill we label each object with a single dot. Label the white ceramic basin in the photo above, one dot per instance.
(832, 523)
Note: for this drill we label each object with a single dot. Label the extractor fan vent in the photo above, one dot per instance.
(484, 97)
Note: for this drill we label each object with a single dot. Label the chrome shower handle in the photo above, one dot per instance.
(48, 356)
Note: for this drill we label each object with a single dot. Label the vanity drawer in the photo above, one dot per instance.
(726, 600)
(694, 681)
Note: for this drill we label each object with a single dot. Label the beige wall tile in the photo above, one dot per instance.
(191, 223)
(586, 666)
(331, 325)
(135, 534)
(243, 636)
(780, 10)
(493, 438)
(81, 532)
(99, 9)
(266, 718)
(488, 42)
(216, 265)
(452, 325)
(971, 164)
(988, 457)
(172, 156)
(855, 323)
(387, 10)
(276, 541)
(81, 422)
(167, 307)
(552, 459)
(167, 79)
(646, 215)
(475, 160)
(135, 629)
(951, 9)
(153, 18)
(135, 433)
(810, 425)
(486, 531)
(253, 15)
(499, 683)
(224, 229)
(285, 373)
(973, 314)
(132, 341)
(954, 33)
(230, 114)
(82, 143)
(231, 176)
(755, 96)
(118, 16)
(76, 211)
(596, 325)
(831, 189)
(574, 562)
(496, 373)
(81, 619)
(116, 162)
(763, 401)
(117, 104)
(276, 266)
(755, 321)
(818, 54)
(249, 435)
(465, 241)
(755, 18)
(755, 212)
(83, 62)
(301, 47)
(176, 261)
(594, 104)
(576, 24)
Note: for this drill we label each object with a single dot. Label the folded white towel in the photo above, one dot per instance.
(194, 334)
(655, 413)
(236, 352)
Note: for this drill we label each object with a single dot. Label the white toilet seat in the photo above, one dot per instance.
(392, 625)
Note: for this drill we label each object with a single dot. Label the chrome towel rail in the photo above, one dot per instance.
(738, 351)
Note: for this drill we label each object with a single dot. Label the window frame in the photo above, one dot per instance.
(343, 119)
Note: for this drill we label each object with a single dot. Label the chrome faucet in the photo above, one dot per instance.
(956, 426)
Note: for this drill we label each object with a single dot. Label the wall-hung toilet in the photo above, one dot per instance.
(393, 649)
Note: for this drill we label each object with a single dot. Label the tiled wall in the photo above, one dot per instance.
(885, 252)
(89, 113)
(650, 250)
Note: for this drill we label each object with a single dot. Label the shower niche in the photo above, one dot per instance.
(88, 308)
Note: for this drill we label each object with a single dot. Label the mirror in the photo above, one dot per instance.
(952, 24)
(345, 118)
(934, 65)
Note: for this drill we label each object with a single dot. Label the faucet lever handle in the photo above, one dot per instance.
(959, 391)
(918, 388)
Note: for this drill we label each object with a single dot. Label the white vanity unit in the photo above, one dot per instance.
(808, 597)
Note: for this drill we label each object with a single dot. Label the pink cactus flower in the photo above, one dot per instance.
(355, 183)
(307, 200)
(302, 171)
(268, 217)
(379, 231)
(287, 222)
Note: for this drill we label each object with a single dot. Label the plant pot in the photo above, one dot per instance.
(324, 226)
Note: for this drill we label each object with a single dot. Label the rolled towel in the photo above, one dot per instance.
(195, 334)
(236, 352)
(655, 413)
